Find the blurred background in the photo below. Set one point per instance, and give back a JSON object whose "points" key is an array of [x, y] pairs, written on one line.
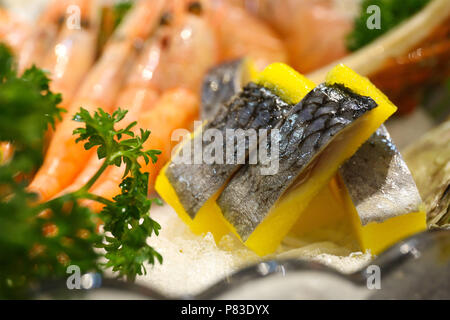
{"points": [[404, 48]]}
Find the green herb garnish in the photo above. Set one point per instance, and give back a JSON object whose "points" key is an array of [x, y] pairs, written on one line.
{"points": [[39, 242], [127, 216], [392, 13]]}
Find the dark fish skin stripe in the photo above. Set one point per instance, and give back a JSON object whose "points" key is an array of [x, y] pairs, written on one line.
{"points": [[219, 86], [255, 107], [307, 130]]}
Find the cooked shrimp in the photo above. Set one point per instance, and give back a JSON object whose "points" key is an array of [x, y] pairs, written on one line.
{"points": [[176, 109], [162, 65], [184, 54], [138, 94], [241, 34], [313, 31], [65, 158], [44, 35], [13, 31], [191, 52], [74, 52]]}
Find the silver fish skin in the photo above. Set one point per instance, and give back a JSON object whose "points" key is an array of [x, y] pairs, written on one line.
{"points": [[377, 177], [255, 107], [379, 181], [310, 127], [220, 84]]}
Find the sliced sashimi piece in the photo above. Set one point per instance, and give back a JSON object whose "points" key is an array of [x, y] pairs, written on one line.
{"points": [[380, 194], [324, 130], [382, 187], [374, 196], [191, 188]]}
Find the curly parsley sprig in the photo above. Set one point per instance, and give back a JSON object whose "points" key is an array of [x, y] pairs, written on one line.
{"points": [[38, 242], [126, 217]]}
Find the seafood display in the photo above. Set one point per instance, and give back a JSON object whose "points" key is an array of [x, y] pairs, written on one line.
{"points": [[194, 188], [322, 116], [65, 159], [263, 126], [271, 197], [376, 178]]}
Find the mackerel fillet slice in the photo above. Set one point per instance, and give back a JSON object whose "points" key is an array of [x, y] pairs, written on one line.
{"points": [[191, 187], [382, 198], [319, 135], [320, 117]]}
